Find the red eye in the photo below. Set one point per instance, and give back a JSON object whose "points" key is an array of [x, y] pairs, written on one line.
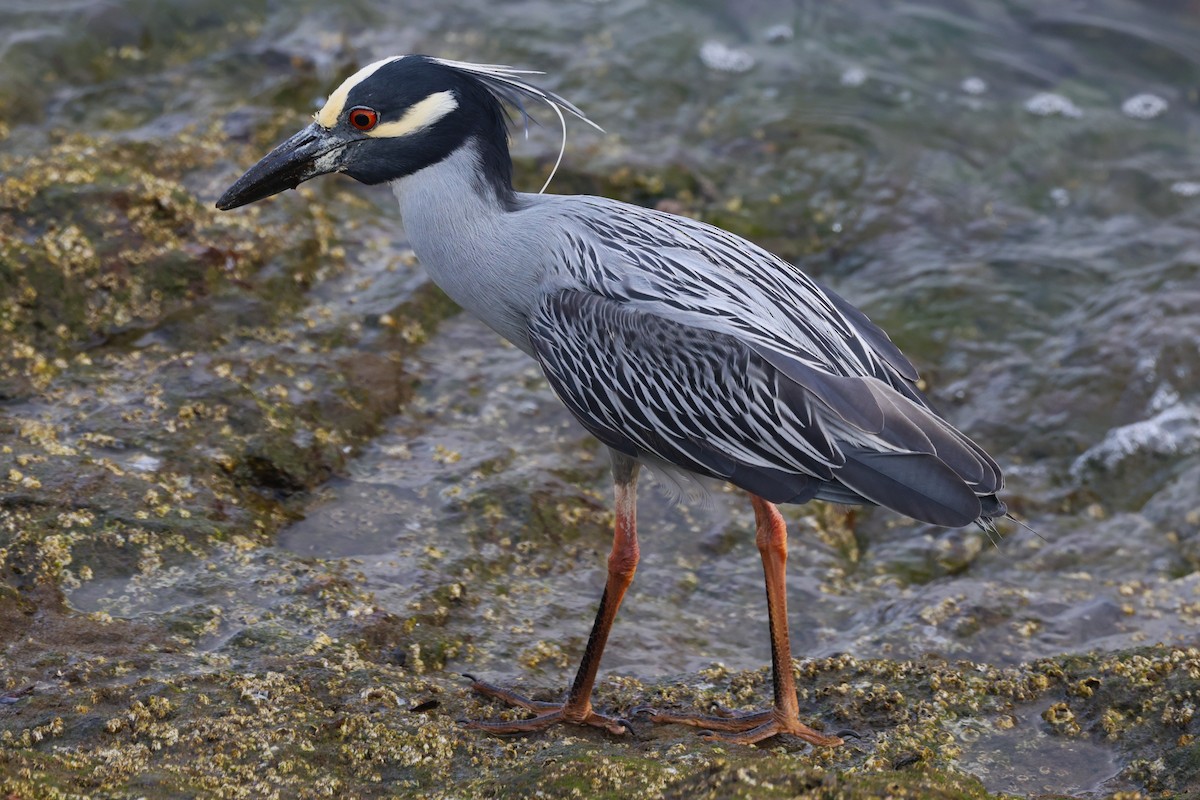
{"points": [[364, 118]]}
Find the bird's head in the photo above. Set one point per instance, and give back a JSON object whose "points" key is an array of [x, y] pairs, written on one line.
{"points": [[395, 117]]}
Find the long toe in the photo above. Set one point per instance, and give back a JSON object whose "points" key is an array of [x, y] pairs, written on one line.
{"points": [[540, 722], [744, 728], [774, 727], [617, 727], [723, 721], [545, 714], [508, 697]]}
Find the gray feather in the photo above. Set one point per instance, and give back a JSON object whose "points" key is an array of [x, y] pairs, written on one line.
{"points": [[880, 342], [657, 389], [916, 484]]}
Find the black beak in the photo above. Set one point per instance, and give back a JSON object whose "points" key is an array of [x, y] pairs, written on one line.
{"points": [[311, 152]]}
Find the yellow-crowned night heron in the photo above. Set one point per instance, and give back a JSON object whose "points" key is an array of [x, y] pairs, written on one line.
{"points": [[675, 343]]}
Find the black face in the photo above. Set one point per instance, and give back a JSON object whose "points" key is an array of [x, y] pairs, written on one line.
{"points": [[388, 121]]}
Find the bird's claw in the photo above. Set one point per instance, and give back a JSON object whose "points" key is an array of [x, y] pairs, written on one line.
{"points": [[544, 714]]}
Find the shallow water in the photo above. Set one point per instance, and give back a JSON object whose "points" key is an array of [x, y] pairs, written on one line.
{"points": [[1011, 190]]}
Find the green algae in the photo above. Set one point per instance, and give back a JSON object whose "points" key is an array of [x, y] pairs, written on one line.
{"points": [[317, 719], [147, 423]]}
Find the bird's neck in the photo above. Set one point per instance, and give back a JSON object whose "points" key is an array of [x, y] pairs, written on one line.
{"points": [[464, 186], [495, 165], [470, 241]]}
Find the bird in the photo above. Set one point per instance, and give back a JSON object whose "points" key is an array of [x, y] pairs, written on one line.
{"points": [[681, 346]]}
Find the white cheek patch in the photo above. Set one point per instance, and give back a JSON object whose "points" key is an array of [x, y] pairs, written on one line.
{"points": [[419, 116], [327, 117]]}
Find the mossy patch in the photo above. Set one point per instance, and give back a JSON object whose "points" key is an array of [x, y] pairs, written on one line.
{"points": [[315, 718]]}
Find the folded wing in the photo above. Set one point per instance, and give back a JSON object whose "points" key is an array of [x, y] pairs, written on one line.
{"points": [[711, 402]]}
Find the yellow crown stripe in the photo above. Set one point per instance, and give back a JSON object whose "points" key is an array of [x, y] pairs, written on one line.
{"points": [[329, 114]]}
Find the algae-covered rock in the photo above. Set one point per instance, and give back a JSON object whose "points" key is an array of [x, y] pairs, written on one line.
{"points": [[313, 717], [163, 389], [218, 579]]}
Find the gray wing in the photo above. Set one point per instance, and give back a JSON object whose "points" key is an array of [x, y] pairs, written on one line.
{"points": [[656, 388], [708, 278]]}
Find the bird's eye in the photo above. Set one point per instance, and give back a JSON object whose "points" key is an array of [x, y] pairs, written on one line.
{"points": [[364, 118]]}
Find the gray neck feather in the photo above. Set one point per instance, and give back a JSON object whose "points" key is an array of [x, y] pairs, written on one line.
{"points": [[487, 256]]}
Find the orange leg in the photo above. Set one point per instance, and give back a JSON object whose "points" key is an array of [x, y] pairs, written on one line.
{"points": [[785, 716], [622, 563]]}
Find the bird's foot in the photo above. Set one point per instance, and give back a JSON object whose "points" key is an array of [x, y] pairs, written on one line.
{"points": [[745, 728], [545, 714]]}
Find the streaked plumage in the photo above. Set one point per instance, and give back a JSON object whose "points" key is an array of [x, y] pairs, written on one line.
{"points": [[675, 343]]}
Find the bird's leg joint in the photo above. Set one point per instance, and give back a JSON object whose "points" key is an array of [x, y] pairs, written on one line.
{"points": [[771, 530], [623, 561]]}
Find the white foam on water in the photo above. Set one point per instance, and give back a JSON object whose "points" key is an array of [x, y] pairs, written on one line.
{"points": [[854, 76], [723, 58], [1144, 106], [974, 85], [1048, 104], [1173, 430]]}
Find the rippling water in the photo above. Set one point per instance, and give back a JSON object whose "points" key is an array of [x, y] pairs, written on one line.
{"points": [[1010, 189]]}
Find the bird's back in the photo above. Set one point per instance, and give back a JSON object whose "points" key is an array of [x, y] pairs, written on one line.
{"points": [[683, 344]]}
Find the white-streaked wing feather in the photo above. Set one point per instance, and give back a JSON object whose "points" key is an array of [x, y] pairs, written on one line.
{"points": [[769, 381], [663, 391], [703, 276]]}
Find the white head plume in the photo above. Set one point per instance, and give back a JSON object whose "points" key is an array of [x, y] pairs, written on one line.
{"points": [[507, 85]]}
